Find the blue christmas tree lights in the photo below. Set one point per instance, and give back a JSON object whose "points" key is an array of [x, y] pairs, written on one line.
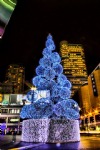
{"points": [[50, 77]]}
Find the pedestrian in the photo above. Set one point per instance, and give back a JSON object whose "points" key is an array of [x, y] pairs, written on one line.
{"points": [[13, 136]]}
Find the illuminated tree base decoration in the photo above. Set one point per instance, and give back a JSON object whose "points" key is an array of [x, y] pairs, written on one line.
{"points": [[50, 130]]}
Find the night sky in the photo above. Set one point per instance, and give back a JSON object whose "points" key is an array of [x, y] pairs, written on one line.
{"points": [[77, 21]]}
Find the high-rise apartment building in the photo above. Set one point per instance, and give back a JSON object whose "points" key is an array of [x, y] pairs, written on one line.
{"points": [[73, 61], [16, 76]]}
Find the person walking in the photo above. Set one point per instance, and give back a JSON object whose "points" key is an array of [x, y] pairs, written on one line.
{"points": [[13, 136]]}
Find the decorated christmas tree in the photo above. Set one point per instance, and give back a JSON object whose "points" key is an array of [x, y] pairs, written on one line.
{"points": [[50, 77]]}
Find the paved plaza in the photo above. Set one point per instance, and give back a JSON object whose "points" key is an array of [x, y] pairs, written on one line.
{"points": [[86, 143]]}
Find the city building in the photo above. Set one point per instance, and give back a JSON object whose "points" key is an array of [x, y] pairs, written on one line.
{"points": [[10, 108], [84, 97], [94, 87], [15, 75], [11, 105], [73, 62], [89, 101], [6, 88]]}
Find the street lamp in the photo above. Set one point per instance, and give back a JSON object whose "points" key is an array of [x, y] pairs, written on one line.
{"points": [[90, 114], [33, 88], [95, 111]]}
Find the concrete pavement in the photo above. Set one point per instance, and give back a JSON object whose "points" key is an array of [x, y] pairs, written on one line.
{"points": [[86, 143], [7, 143]]}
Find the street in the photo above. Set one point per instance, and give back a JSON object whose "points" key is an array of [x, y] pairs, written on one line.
{"points": [[87, 142]]}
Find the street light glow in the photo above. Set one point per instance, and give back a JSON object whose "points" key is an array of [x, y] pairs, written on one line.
{"points": [[96, 111], [33, 88], [90, 114]]}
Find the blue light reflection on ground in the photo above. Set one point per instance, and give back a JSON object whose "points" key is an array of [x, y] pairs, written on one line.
{"points": [[88, 142]]}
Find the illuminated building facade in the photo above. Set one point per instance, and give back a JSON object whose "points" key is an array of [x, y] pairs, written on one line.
{"points": [[10, 108], [6, 88], [73, 61], [84, 97], [94, 87], [16, 76], [90, 101], [10, 116]]}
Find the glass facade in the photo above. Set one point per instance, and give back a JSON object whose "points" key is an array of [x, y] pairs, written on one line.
{"points": [[73, 61], [13, 99]]}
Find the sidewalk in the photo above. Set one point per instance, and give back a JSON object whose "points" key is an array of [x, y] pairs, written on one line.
{"points": [[6, 143], [19, 146], [90, 143], [96, 133]]}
